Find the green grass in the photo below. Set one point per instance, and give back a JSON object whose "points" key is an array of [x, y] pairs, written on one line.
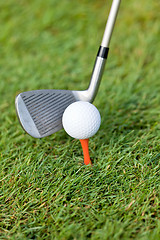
{"points": [[45, 190]]}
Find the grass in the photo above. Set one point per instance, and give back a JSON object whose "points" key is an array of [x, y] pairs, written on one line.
{"points": [[45, 190]]}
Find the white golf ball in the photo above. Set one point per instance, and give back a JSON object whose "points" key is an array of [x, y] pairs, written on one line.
{"points": [[81, 120]]}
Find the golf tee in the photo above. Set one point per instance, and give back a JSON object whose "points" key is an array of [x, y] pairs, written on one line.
{"points": [[84, 143]]}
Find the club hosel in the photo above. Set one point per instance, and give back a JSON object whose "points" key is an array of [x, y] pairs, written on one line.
{"points": [[97, 72]]}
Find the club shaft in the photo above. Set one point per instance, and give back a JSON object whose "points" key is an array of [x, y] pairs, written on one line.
{"points": [[110, 23], [103, 52]]}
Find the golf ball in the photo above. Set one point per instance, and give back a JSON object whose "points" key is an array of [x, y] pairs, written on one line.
{"points": [[81, 120]]}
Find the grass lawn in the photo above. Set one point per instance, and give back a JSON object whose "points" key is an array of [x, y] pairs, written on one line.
{"points": [[45, 190]]}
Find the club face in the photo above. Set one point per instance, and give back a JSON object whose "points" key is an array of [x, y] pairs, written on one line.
{"points": [[40, 111]]}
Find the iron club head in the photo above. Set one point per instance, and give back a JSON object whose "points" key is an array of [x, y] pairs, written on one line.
{"points": [[40, 111]]}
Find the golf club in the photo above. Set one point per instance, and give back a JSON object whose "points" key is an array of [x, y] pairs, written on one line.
{"points": [[40, 111]]}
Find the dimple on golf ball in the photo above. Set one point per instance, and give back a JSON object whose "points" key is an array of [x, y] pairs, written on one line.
{"points": [[81, 120]]}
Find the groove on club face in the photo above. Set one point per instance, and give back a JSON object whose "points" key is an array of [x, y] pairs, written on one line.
{"points": [[40, 111]]}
